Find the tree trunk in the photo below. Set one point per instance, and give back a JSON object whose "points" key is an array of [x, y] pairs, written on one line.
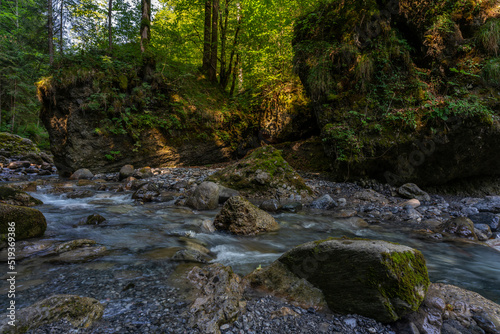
{"points": [[51, 32], [233, 84], [223, 79], [61, 28], [13, 106], [148, 62], [213, 53], [207, 36], [110, 7]]}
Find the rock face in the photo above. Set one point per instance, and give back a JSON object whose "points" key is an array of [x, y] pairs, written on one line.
{"points": [[80, 311], [239, 216], [79, 140], [408, 131], [263, 172], [377, 279], [450, 309], [16, 197], [29, 222], [219, 298], [205, 197]]}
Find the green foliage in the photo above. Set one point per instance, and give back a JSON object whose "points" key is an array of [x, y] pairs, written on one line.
{"points": [[489, 36], [346, 144], [491, 72]]}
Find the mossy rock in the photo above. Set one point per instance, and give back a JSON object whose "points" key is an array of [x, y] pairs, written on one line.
{"points": [[373, 278], [79, 311], [261, 172], [29, 222], [17, 197], [16, 145]]}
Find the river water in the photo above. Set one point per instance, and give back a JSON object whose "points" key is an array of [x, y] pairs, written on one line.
{"points": [[135, 232]]}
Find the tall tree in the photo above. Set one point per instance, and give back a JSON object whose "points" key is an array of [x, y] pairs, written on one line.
{"points": [[207, 36], [212, 72], [110, 36], [148, 61], [51, 32]]}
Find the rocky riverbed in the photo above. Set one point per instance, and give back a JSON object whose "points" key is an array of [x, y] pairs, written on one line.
{"points": [[149, 293]]}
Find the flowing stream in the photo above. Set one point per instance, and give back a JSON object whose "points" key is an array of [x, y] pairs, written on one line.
{"points": [[134, 233]]}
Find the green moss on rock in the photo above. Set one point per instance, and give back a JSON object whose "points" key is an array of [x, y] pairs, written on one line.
{"points": [[29, 222], [17, 197], [16, 145], [261, 172]]}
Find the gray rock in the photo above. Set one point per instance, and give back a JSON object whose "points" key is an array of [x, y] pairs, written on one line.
{"points": [[29, 222], [204, 197], [82, 173], [292, 207], [19, 164], [484, 230], [411, 190], [489, 204], [325, 202], [146, 193], [487, 218], [17, 197], [79, 311], [143, 173], [126, 171], [460, 227], [377, 279], [95, 219], [225, 193], [239, 216], [80, 193], [445, 306], [219, 298], [369, 195], [270, 205]]}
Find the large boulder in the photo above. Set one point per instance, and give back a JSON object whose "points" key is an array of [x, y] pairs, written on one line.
{"points": [[219, 299], [82, 173], [420, 126], [204, 197], [239, 216], [14, 145], [79, 311], [263, 172], [376, 279], [17, 197], [29, 222], [450, 309]]}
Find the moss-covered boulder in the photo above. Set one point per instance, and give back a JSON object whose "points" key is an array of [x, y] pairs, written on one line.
{"points": [[29, 222], [376, 279], [14, 145], [239, 216], [263, 172], [17, 197], [79, 311], [404, 91]]}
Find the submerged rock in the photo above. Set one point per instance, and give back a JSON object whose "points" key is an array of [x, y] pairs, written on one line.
{"points": [[376, 279], [205, 197], [239, 216], [79, 311], [29, 222], [261, 173], [17, 197], [95, 219], [219, 299]]}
